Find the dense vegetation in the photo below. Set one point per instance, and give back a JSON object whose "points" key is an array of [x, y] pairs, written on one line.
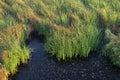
{"points": [[112, 49], [72, 28]]}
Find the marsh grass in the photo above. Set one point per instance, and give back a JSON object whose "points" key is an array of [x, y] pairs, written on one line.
{"points": [[72, 28], [109, 12], [13, 50], [74, 43], [112, 49]]}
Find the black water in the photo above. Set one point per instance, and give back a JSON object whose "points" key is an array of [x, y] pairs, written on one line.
{"points": [[43, 67]]}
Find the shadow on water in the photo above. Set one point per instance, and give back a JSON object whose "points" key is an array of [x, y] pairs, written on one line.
{"points": [[44, 67]]}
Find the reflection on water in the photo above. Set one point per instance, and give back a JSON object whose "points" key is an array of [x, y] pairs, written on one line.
{"points": [[42, 67]]}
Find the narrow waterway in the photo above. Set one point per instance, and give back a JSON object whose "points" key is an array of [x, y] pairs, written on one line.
{"points": [[43, 67]]}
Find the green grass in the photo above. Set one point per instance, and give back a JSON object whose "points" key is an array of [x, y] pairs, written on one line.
{"points": [[13, 50], [112, 49], [78, 42], [72, 28]]}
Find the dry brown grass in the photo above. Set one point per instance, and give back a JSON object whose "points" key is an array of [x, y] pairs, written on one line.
{"points": [[2, 75], [11, 33], [20, 1], [4, 55], [61, 28]]}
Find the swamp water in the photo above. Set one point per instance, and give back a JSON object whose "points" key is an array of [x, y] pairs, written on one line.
{"points": [[43, 67]]}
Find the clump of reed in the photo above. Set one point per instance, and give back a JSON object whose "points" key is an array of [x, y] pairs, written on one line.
{"points": [[12, 48], [77, 42], [71, 30], [109, 14], [112, 48], [108, 11]]}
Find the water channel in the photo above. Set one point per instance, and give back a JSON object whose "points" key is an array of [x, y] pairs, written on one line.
{"points": [[44, 67]]}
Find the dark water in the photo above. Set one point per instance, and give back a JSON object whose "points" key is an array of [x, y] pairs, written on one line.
{"points": [[42, 67]]}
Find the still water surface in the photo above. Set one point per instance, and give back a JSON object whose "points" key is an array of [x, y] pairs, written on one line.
{"points": [[43, 67]]}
